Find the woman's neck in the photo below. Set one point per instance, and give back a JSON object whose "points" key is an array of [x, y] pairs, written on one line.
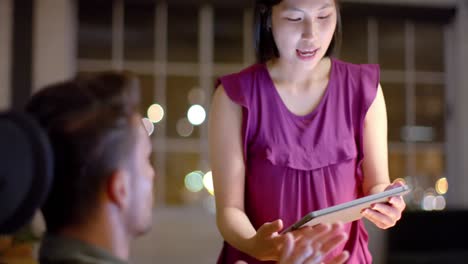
{"points": [[295, 77]]}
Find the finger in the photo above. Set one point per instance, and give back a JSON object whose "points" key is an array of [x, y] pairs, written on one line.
{"points": [[307, 229], [398, 202], [316, 258], [380, 220], [395, 184], [333, 242], [340, 259], [279, 242], [393, 213], [287, 247], [271, 228], [300, 252], [333, 231], [311, 232], [398, 183]]}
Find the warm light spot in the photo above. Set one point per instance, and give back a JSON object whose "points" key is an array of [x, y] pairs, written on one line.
{"points": [[441, 186], [155, 113], [208, 182]]}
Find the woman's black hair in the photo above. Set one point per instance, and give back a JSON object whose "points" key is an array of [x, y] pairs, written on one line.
{"points": [[265, 46]]}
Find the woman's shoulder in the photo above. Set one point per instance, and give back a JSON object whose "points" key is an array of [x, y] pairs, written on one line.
{"points": [[349, 66], [240, 86], [357, 74]]}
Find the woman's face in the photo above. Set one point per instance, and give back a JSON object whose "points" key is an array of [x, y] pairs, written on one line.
{"points": [[303, 29]]}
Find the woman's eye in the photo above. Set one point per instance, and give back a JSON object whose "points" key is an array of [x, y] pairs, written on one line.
{"points": [[293, 19], [323, 17]]}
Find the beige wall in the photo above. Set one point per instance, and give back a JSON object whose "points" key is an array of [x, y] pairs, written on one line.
{"points": [[179, 235], [6, 24], [457, 119], [55, 41]]}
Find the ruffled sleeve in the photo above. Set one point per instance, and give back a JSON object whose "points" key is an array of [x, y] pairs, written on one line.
{"points": [[237, 90]]}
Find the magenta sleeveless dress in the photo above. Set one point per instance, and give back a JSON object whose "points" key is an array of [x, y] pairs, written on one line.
{"points": [[298, 164]]}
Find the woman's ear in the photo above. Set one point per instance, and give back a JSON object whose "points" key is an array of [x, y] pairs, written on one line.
{"points": [[118, 188]]}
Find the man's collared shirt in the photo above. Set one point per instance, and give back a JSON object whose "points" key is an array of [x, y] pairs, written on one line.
{"points": [[65, 250]]}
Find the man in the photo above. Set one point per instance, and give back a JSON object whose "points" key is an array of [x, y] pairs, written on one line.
{"points": [[102, 193]]}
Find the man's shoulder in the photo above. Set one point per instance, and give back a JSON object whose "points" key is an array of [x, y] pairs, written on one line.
{"points": [[76, 261]]}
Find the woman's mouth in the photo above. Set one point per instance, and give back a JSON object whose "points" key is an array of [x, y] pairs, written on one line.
{"points": [[306, 54]]}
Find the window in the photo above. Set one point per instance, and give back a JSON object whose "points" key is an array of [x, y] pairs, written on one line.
{"points": [[178, 52], [410, 52]]}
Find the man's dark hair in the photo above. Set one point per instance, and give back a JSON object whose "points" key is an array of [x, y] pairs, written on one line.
{"points": [[92, 124], [265, 45]]}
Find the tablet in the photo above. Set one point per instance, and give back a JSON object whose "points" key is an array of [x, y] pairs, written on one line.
{"points": [[347, 212]]}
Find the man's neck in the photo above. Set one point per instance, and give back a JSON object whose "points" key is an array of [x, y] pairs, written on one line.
{"points": [[106, 233]]}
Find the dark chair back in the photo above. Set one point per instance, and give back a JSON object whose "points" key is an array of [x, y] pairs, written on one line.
{"points": [[26, 169]]}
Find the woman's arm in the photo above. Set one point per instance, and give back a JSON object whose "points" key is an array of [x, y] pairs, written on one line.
{"points": [[227, 161], [375, 166], [375, 163]]}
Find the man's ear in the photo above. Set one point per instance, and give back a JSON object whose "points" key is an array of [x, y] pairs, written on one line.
{"points": [[118, 188]]}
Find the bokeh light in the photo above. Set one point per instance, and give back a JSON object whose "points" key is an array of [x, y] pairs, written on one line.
{"points": [[155, 113], [441, 186], [439, 203], [428, 202], [196, 115], [194, 181], [184, 128], [208, 182], [149, 126]]}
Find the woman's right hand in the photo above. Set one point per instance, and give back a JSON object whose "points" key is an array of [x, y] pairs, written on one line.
{"points": [[266, 244], [305, 245], [313, 246]]}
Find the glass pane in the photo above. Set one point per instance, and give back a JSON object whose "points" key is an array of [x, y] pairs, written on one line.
{"points": [[430, 164], [95, 30], [429, 168], [429, 41], [394, 95], [179, 90], [139, 32], [177, 166], [183, 34], [354, 43], [84, 74], [228, 30], [146, 92], [429, 103], [397, 164], [391, 44]]}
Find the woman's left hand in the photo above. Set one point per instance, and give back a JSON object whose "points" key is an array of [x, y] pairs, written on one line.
{"points": [[385, 215]]}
